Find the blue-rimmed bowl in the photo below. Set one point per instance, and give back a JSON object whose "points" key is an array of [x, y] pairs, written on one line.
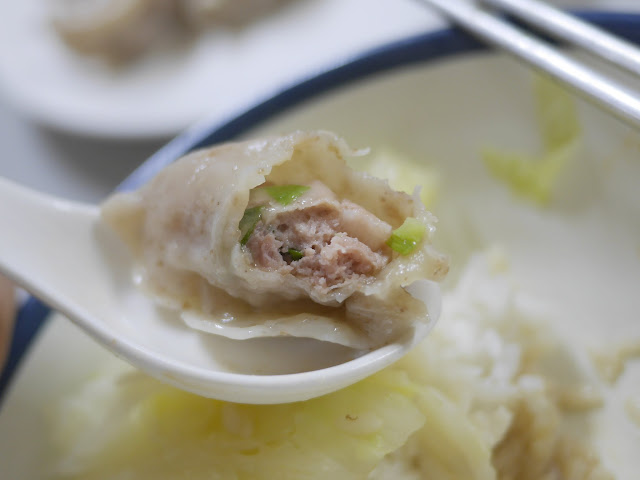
{"points": [[442, 97]]}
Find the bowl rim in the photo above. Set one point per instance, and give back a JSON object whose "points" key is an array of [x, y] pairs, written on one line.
{"points": [[416, 49]]}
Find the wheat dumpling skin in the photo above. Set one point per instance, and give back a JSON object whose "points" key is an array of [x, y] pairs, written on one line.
{"points": [[314, 264]]}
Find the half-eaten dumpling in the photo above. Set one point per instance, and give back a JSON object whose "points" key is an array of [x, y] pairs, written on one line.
{"points": [[278, 236]]}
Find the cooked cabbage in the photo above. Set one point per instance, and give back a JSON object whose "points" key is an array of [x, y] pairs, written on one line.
{"points": [[473, 401], [154, 431], [534, 176]]}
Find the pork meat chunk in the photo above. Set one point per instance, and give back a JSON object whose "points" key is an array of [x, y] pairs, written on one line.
{"points": [[319, 238]]}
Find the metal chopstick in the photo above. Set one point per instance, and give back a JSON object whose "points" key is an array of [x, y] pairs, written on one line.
{"points": [[568, 27], [607, 93]]}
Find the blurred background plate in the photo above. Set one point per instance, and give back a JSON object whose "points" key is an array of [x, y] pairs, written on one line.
{"points": [[219, 72]]}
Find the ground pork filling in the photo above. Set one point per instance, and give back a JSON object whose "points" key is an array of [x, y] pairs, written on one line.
{"points": [[314, 242]]}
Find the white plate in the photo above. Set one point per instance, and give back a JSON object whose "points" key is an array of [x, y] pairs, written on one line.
{"points": [[581, 256], [163, 93], [221, 73]]}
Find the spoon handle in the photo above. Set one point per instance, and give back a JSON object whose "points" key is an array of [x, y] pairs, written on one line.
{"points": [[42, 237]]}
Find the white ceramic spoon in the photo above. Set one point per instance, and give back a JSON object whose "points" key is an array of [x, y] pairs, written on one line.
{"points": [[59, 251]]}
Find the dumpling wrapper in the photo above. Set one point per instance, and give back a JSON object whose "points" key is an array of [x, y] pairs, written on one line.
{"points": [[183, 228]]}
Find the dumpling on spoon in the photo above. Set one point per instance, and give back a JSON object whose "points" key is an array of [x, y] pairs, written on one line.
{"points": [[278, 236]]}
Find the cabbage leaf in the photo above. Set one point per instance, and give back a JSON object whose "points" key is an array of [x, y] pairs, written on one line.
{"points": [[156, 432], [534, 176]]}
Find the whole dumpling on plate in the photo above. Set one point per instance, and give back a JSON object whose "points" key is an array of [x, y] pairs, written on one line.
{"points": [[278, 236], [117, 30], [204, 13]]}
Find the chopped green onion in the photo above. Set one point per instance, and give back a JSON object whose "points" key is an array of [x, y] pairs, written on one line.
{"points": [[285, 194], [248, 222], [295, 254], [407, 236]]}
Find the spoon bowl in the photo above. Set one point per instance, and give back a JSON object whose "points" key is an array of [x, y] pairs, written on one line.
{"points": [[62, 253]]}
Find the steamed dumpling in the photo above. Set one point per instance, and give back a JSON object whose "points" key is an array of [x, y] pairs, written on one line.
{"points": [[115, 29], [203, 13], [278, 236], [120, 30]]}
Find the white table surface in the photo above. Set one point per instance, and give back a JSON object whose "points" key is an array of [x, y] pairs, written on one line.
{"points": [[88, 169]]}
